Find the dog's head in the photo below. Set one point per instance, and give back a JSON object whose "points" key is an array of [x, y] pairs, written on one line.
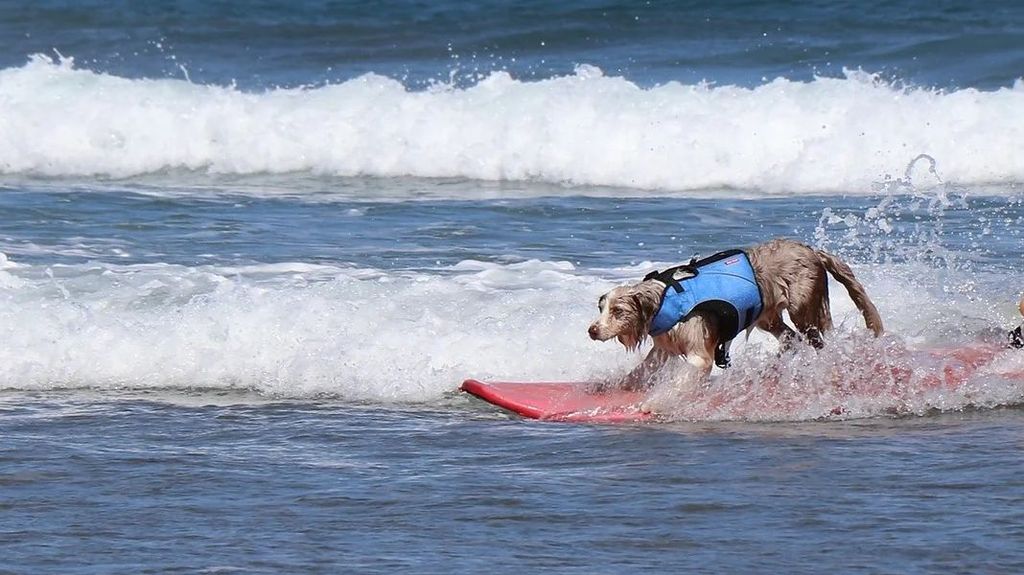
{"points": [[626, 313]]}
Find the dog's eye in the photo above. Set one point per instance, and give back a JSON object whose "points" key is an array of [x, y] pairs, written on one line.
{"points": [[617, 312]]}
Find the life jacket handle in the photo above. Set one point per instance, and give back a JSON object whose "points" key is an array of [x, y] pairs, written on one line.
{"points": [[667, 277]]}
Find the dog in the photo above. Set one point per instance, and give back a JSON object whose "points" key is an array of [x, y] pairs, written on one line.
{"points": [[759, 284]]}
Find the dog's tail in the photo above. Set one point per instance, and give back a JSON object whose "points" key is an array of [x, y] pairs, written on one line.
{"points": [[844, 275]]}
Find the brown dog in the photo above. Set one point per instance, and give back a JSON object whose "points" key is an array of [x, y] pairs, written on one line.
{"points": [[789, 275]]}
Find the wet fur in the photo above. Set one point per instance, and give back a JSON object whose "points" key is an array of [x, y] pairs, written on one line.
{"points": [[792, 277]]}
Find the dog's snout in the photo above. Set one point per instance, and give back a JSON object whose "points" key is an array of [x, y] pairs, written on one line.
{"points": [[593, 331]]}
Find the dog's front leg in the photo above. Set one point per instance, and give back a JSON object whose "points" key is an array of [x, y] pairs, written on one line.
{"points": [[687, 383], [703, 364], [640, 376]]}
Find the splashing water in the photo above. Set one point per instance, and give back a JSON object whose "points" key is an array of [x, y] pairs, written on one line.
{"points": [[906, 224], [854, 376]]}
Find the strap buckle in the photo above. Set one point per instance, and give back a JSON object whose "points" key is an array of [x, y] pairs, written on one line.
{"points": [[668, 277]]}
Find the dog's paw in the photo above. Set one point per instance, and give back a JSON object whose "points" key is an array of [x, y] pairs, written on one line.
{"points": [[1016, 337]]}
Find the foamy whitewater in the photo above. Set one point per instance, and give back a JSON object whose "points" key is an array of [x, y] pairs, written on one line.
{"points": [[249, 252], [824, 135]]}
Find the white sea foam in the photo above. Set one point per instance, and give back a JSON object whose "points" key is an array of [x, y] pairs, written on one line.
{"points": [[295, 330], [829, 134]]}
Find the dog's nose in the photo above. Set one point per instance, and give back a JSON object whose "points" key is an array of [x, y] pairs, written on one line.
{"points": [[593, 331]]}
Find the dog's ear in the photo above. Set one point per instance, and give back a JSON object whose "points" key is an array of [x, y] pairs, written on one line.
{"points": [[643, 316], [640, 320], [632, 331], [644, 298]]}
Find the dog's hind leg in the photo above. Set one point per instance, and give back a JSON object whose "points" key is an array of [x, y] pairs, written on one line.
{"points": [[780, 330], [810, 324]]}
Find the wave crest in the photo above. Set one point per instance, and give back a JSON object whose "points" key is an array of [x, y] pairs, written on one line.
{"points": [[830, 134]]}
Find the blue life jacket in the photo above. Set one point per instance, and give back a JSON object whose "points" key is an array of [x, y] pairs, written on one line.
{"points": [[723, 284]]}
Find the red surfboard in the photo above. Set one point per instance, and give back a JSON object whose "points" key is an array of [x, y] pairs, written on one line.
{"points": [[577, 402], [561, 401]]}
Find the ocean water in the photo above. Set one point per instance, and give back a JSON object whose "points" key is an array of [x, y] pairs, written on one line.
{"points": [[249, 251]]}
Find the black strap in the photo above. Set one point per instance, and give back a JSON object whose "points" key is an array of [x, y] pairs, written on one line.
{"points": [[693, 266], [714, 258], [668, 277]]}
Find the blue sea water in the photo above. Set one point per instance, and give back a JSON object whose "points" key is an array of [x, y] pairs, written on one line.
{"points": [[248, 251]]}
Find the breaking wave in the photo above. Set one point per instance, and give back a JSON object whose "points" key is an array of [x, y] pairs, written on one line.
{"points": [[830, 134]]}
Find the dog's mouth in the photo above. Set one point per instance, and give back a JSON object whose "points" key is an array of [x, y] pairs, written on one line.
{"points": [[598, 334]]}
